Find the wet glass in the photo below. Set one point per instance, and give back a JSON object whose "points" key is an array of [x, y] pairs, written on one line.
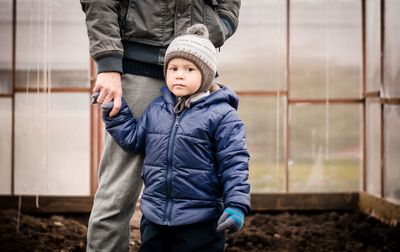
{"points": [[254, 58], [5, 145], [52, 144], [392, 157], [373, 45], [373, 144], [391, 82], [325, 148], [325, 49], [52, 45], [5, 46], [264, 122]]}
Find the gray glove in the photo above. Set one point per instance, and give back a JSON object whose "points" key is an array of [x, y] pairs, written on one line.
{"points": [[232, 220]]}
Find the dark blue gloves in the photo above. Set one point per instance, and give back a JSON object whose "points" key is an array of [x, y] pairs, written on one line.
{"points": [[232, 220], [107, 107], [123, 127]]}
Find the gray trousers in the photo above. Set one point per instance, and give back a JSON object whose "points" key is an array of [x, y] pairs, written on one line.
{"points": [[119, 176]]}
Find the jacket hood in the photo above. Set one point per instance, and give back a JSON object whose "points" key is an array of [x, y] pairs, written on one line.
{"points": [[224, 94]]}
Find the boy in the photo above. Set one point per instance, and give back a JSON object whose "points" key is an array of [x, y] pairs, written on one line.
{"points": [[128, 39], [196, 160]]}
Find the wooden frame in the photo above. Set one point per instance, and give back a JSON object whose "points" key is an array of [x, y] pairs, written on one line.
{"points": [[47, 204], [260, 202], [304, 201], [368, 204], [13, 79], [364, 87], [379, 208]]}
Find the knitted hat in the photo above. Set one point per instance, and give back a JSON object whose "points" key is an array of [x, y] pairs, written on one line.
{"points": [[195, 47]]}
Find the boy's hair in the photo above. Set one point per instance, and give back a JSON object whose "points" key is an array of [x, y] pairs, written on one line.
{"points": [[195, 47]]}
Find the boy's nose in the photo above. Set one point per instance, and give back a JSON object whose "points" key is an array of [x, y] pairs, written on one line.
{"points": [[179, 74]]}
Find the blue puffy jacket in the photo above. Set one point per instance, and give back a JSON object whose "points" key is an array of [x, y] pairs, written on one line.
{"points": [[196, 162]]}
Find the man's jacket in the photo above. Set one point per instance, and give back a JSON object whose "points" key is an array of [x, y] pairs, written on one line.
{"points": [[141, 30], [196, 162]]}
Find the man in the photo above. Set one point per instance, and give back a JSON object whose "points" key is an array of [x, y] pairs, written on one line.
{"points": [[128, 39]]}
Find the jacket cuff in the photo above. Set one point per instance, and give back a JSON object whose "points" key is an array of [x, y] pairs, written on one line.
{"points": [[244, 209], [229, 23], [228, 26], [109, 63]]}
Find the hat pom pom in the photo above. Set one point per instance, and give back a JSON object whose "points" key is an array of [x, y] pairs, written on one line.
{"points": [[199, 30]]}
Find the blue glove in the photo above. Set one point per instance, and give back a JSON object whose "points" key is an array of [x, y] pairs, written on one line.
{"points": [[232, 220], [94, 97], [107, 107]]}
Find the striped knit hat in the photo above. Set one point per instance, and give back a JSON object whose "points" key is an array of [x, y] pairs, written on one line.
{"points": [[195, 46]]}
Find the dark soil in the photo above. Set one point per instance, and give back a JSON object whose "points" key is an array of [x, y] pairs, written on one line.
{"points": [[326, 231], [294, 231], [54, 233]]}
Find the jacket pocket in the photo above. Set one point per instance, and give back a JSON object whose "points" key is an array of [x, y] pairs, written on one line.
{"points": [[215, 182], [143, 22]]}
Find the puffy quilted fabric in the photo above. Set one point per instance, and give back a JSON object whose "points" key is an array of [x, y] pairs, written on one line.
{"points": [[196, 162]]}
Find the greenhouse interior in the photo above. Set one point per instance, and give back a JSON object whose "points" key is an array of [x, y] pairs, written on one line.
{"points": [[319, 89]]}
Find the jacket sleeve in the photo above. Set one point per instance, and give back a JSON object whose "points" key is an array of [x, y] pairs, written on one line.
{"points": [[228, 11], [128, 132], [232, 160], [104, 33]]}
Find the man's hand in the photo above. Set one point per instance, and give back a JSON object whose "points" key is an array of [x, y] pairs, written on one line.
{"points": [[110, 88]]}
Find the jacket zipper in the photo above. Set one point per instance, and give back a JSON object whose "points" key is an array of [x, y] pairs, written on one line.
{"points": [[168, 180], [124, 21]]}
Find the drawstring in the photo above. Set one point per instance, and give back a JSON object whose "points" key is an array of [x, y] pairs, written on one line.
{"points": [[182, 103]]}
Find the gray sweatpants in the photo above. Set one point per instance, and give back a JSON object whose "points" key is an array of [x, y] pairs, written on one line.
{"points": [[119, 177]]}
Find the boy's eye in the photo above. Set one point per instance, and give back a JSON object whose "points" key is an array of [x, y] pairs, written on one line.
{"points": [[173, 68], [189, 69]]}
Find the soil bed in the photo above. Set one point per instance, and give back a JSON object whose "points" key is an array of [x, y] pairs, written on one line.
{"points": [[53, 233], [324, 231], [293, 231]]}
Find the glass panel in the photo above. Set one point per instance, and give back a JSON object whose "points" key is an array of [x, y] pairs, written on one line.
{"points": [[263, 118], [5, 46], [52, 44], [373, 155], [254, 58], [392, 149], [325, 49], [5, 145], [52, 144], [392, 50], [325, 148], [373, 45]]}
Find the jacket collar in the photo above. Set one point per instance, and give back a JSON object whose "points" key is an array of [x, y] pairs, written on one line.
{"points": [[197, 97], [224, 94]]}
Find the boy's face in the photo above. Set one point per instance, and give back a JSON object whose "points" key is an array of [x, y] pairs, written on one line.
{"points": [[183, 77]]}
